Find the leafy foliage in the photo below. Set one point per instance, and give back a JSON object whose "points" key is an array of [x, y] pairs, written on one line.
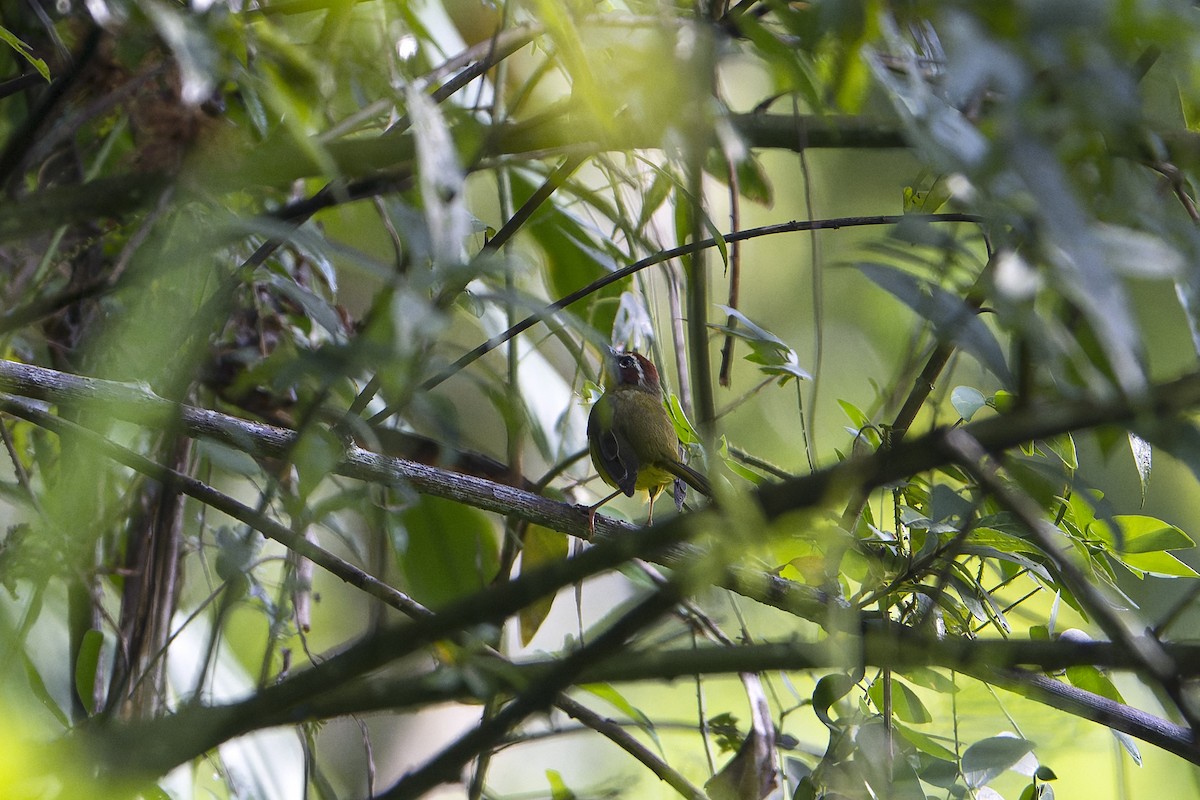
{"points": [[248, 251]]}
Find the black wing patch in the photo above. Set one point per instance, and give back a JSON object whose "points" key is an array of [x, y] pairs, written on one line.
{"points": [[618, 459]]}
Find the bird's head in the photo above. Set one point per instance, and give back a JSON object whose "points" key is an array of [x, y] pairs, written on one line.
{"points": [[632, 370]]}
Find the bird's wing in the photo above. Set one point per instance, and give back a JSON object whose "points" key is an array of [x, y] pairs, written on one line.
{"points": [[614, 456]]}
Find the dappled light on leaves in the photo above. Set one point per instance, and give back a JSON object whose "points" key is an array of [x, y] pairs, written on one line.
{"points": [[306, 427]]}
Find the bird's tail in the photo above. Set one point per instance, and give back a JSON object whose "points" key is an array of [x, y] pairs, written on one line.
{"points": [[691, 477]]}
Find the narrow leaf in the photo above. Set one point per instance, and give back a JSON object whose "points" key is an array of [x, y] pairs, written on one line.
{"points": [[24, 51], [1142, 457], [610, 695], [985, 760], [906, 706], [541, 546], [86, 665], [951, 318]]}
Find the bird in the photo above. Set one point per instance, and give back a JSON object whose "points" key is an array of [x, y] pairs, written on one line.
{"points": [[631, 438]]}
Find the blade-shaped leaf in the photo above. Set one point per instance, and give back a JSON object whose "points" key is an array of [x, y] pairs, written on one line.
{"points": [[12, 41], [1137, 533], [906, 706], [952, 319], [540, 546], [1142, 459], [985, 760]]}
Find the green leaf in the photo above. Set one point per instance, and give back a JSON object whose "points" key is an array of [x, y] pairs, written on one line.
{"points": [[906, 706], [684, 208], [1136, 533], [574, 258], [894, 778], [684, 430], [790, 73], [24, 51], [317, 452], [652, 200], [610, 695], [951, 318], [930, 679], [1091, 679], [1007, 542], [540, 546], [558, 787], [967, 401], [1044, 773], [1161, 564], [773, 355], [86, 665], [828, 691], [449, 550], [927, 744], [38, 687], [753, 182], [855, 415], [1064, 447], [988, 758], [315, 307]]}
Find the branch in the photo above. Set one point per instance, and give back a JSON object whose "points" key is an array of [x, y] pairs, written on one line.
{"points": [[195, 489], [282, 161], [991, 661], [627, 742], [666, 255], [1162, 402], [137, 405], [537, 695]]}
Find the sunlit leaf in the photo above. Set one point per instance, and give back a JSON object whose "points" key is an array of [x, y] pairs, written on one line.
{"points": [[12, 41], [558, 787], [929, 744], [967, 401], [906, 705], [1162, 564], [930, 679], [1138, 534], [1064, 447], [1091, 679], [987, 759], [855, 415], [1142, 460]]}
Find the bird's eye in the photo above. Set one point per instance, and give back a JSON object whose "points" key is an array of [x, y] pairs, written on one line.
{"points": [[625, 362]]}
